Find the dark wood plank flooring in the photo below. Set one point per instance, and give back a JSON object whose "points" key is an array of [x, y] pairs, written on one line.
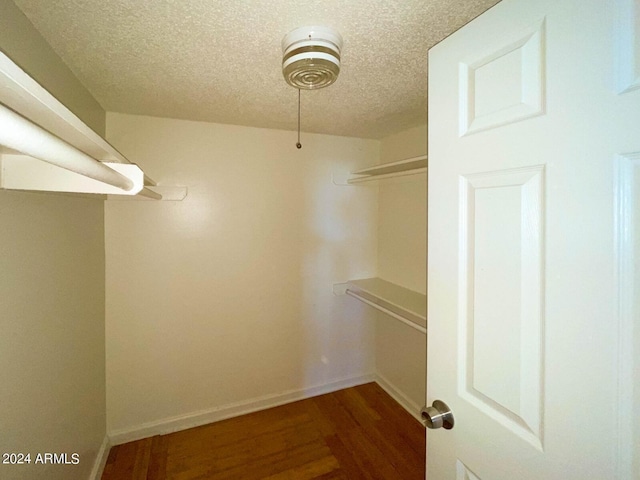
{"points": [[356, 433]]}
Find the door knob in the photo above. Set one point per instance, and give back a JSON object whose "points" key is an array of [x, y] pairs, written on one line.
{"points": [[438, 415]]}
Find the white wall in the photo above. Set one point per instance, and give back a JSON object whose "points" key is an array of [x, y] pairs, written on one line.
{"points": [[218, 302], [402, 259], [402, 221], [51, 332], [52, 353]]}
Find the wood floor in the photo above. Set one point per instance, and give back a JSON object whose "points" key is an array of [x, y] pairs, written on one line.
{"points": [[356, 433]]}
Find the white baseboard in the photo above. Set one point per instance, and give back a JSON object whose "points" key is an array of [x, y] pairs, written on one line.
{"points": [[196, 419], [409, 405], [101, 460]]}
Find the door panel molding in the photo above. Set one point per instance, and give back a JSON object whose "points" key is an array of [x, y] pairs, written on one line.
{"points": [[501, 306], [627, 237], [464, 473], [627, 45], [518, 66]]}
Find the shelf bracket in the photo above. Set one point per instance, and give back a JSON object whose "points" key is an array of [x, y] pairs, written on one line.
{"points": [[340, 288], [152, 192]]}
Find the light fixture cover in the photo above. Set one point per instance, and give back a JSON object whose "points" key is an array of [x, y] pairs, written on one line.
{"points": [[311, 57]]}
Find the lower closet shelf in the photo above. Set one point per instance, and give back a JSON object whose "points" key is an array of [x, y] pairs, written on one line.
{"points": [[401, 303]]}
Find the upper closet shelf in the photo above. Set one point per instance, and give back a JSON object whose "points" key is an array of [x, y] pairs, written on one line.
{"points": [[401, 303], [45, 147], [410, 166]]}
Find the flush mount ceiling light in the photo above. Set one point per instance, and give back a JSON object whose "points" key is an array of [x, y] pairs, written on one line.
{"points": [[310, 59]]}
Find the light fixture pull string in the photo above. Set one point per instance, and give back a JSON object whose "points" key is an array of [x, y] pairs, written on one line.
{"points": [[298, 145]]}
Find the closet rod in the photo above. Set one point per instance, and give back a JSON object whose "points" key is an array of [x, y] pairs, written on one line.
{"points": [[353, 294], [18, 133]]}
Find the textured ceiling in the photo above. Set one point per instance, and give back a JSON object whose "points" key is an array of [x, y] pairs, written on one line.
{"points": [[220, 61]]}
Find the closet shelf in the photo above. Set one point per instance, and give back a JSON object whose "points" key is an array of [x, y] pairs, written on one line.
{"points": [[45, 147], [401, 303], [410, 166]]}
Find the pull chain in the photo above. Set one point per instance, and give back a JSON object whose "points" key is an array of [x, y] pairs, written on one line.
{"points": [[299, 145]]}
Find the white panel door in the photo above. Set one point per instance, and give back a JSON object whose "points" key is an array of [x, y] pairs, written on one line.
{"points": [[534, 243]]}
